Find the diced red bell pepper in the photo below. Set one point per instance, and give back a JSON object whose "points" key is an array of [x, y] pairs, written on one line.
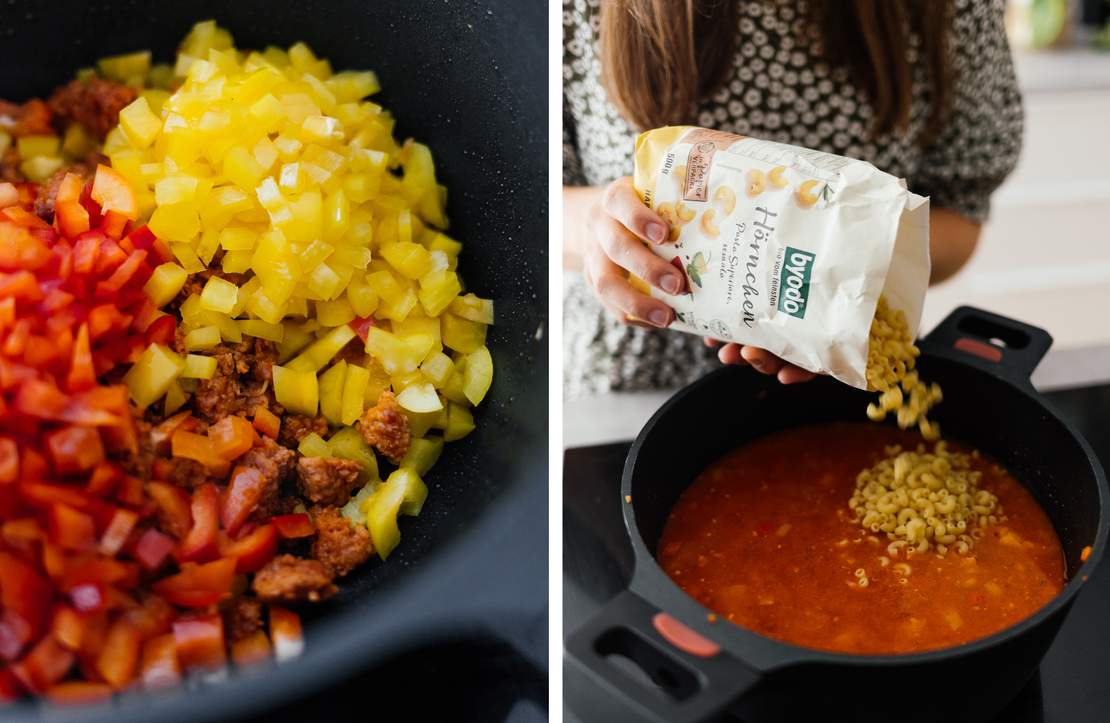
{"points": [[152, 549], [362, 326], [103, 479], [21, 250], [124, 273], [113, 193], [114, 224], [160, 667], [41, 494], [198, 448], [69, 189], [46, 664], [119, 529], [106, 319], [251, 551], [9, 687], [101, 570], [162, 433], [232, 436], [200, 641], [161, 331], [119, 658], [71, 218], [68, 627], [56, 300], [174, 507], [285, 633], [15, 633], [22, 533], [130, 491], [254, 648], [266, 422], [78, 692], [86, 252], [89, 597], [82, 372], [9, 460], [293, 525], [70, 528], [241, 498], [54, 560], [75, 449], [20, 285], [198, 585], [201, 544], [24, 592], [153, 617]]}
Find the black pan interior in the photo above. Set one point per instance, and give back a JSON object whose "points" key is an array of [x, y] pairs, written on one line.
{"points": [[736, 405], [467, 78]]}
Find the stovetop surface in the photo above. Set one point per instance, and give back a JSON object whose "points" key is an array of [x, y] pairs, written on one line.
{"points": [[1073, 683]]}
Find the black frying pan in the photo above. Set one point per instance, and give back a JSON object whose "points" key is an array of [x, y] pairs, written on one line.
{"points": [[701, 669], [469, 79]]}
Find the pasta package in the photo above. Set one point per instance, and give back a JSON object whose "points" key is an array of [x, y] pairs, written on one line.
{"points": [[783, 247]]}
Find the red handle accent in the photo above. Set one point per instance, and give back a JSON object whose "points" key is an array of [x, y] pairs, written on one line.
{"points": [[683, 637], [979, 348]]}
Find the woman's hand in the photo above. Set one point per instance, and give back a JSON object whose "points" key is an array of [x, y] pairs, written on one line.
{"points": [[617, 224], [604, 230], [761, 360]]}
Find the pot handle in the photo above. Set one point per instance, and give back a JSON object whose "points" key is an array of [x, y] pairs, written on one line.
{"points": [[996, 344], [692, 678]]}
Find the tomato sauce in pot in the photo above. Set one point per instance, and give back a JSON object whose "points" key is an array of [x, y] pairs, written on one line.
{"points": [[764, 538]]}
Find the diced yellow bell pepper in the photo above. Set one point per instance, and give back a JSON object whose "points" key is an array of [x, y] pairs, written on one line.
{"points": [[175, 189], [313, 445], [420, 398], [297, 391], [240, 168], [455, 389], [410, 259], [462, 335], [175, 398], [331, 392], [33, 146], [400, 308], [321, 351], [262, 329], [477, 375], [236, 262], [402, 493], [363, 299], [354, 392], [219, 295], [176, 222], [438, 368], [150, 377], [398, 355], [139, 123], [165, 283], [76, 142], [123, 67], [460, 422], [266, 112], [40, 168], [422, 454], [201, 338], [437, 290], [347, 443], [420, 325], [198, 366], [469, 306]]}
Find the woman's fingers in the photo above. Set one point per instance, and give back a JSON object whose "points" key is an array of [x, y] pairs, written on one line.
{"points": [[623, 203], [626, 251], [613, 289], [762, 360], [711, 343], [730, 354], [791, 374]]}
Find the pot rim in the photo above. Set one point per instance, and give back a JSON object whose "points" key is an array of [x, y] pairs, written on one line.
{"points": [[770, 653]]}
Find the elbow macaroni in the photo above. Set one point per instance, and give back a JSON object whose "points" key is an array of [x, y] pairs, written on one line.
{"points": [[891, 357], [924, 500]]}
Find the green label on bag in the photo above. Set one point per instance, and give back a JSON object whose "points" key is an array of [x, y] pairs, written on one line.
{"points": [[794, 281]]}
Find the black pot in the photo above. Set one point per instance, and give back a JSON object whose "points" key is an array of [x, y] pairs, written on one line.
{"points": [[699, 670], [469, 79]]}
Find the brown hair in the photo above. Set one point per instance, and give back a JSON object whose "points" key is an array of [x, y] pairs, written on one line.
{"points": [[659, 58]]}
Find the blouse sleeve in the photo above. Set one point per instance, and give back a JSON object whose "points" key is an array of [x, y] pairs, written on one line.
{"points": [[981, 139]]}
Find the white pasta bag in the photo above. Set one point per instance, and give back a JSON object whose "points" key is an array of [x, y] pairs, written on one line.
{"points": [[782, 247]]}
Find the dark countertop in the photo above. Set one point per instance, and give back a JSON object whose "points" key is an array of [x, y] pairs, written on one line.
{"points": [[1073, 685]]}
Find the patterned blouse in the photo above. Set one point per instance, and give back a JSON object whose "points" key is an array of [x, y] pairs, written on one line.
{"points": [[780, 90]]}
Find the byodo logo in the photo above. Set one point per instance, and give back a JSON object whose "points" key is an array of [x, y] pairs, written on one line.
{"points": [[794, 281]]}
